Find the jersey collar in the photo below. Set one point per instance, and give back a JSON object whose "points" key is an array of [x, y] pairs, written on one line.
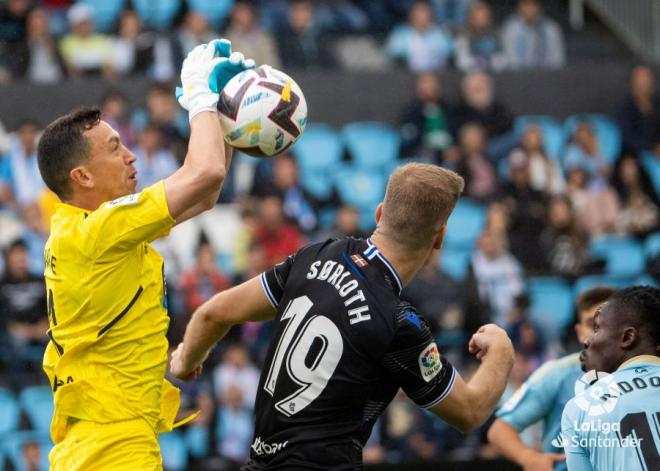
{"points": [[65, 208], [373, 254], [646, 359]]}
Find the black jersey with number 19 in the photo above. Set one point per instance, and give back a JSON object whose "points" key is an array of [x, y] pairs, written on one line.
{"points": [[343, 344]]}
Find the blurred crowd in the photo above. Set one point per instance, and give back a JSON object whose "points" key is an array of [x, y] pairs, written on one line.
{"points": [[45, 41], [548, 190]]}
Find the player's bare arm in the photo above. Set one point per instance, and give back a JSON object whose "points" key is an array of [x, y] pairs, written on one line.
{"points": [[469, 405], [213, 319], [507, 440]]}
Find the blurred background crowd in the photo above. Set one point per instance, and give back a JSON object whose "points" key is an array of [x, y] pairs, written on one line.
{"points": [[551, 207]]}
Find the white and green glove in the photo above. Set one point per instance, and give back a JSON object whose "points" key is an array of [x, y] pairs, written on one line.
{"points": [[205, 72]]}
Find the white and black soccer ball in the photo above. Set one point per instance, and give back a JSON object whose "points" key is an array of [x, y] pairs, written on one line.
{"points": [[262, 111]]}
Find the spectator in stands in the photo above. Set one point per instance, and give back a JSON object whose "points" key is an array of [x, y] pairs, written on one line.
{"points": [[301, 42], [527, 213], [544, 172], [196, 396], [23, 304], [421, 44], [114, 111], [84, 51], [234, 428], [478, 46], [279, 238], [248, 37], [498, 274], [163, 110], [195, 30], [532, 40], [584, 152], [425, 122], [13, 18], [236, 369], [639, 213], [21, 174], [564, 244], [299, 206], [473, 165], [639, 117], [478, 104], [43, 63], [200, 282], [132, 49], [31, 454], [596, 207], [34, 236], [453, 14], [347, 224], [154, 160]]}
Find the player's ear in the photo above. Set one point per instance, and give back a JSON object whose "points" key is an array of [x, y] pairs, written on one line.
{"points": [[81, 176], [440, 237], [379, 212], [629, 338]]}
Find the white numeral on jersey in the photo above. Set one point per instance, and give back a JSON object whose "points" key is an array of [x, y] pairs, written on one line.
{"points": [[311, 378]]}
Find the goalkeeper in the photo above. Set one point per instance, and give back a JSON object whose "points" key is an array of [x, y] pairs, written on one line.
{"points": [[107, 353]]}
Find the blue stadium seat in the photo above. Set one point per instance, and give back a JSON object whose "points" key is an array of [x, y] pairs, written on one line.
{"points": [[455, 262], [158, 14], [37, 402], [360, 188], [13, 447], [197, 441], [215, 11], [465, 224], [652, 245], [646, 279], [372, 145], [651, 164], [607, 132], [624, 256], [174, 452], [553, 134], [318, 184], [319, 149], [551, 304], [586, 282], [106, 12], [9, 411]]}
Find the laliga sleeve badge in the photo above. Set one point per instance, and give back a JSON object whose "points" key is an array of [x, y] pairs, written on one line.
{"points": [[429, 362]]}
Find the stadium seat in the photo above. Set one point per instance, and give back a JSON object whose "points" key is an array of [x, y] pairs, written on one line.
{"points": [[13, 447], [465, 224], [651, 164], [624, 256], [652, 245], [360, 188], [174, 452], [586, 282], [553, 135], [106, 12], [9, 411], [215, 11], [607, 132], [551, 304], [37, 402], [318, 149], [371, 145], [318, 184], [455, 262], [197, 441], [158, 14], [646, 279]]}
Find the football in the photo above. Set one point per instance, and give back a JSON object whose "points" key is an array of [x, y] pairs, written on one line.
{"points": [[262, 112]]}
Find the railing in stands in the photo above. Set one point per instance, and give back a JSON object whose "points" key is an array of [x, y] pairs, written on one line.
{"points": [[637, 23]]}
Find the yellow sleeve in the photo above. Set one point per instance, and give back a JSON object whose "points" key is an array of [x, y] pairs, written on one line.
{"points": [[120, 225]]}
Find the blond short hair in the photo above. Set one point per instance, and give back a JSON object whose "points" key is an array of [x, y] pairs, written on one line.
{"points": [[418, 201]]}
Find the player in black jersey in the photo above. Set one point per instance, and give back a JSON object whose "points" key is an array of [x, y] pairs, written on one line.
{"points": [[344, 341]]}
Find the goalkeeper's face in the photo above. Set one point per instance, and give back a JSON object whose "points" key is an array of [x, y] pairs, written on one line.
{"points": [[110, 164]]}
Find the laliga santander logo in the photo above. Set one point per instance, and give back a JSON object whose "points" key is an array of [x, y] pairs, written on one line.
{"points": [[596, 393]]}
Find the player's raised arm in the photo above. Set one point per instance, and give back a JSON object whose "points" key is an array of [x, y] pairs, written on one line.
{"points": [[469, 405], [196, 185]]}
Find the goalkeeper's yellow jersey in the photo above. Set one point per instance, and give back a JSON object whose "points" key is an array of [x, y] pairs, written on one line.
{"points": [[107, 355]]}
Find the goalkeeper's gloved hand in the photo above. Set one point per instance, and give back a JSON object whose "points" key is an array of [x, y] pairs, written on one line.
{"points": [[205, 72]]}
